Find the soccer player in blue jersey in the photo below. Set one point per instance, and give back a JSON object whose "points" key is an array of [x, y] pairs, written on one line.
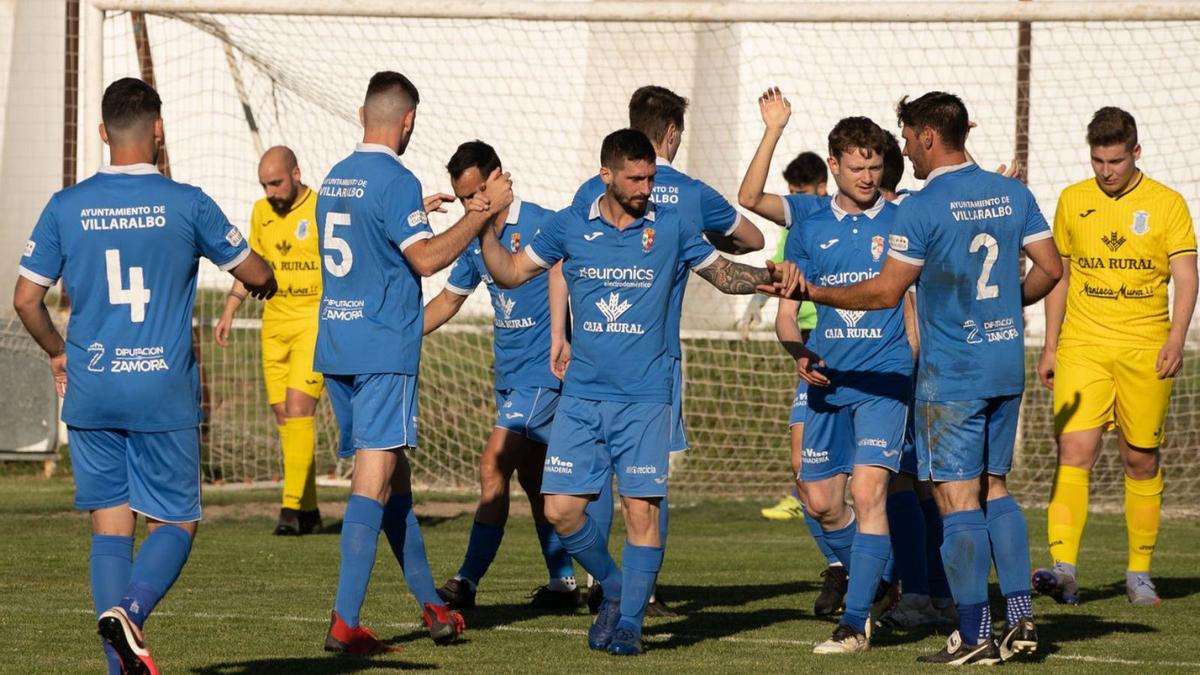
{"points": [[659, 114], [126, 243], [960, 240], [620, 254], [526, 389], [377, 244]]}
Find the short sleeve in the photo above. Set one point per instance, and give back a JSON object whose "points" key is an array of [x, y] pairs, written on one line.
{"points": [[1181, 237], [587, 193], [464, 276], [908, 240], [42, 261], [695, 252], [404, 217], [798, 207], [1062, 232], [716, 213], [217, 238], [1035, 227], [256, 231], [547, 247]]}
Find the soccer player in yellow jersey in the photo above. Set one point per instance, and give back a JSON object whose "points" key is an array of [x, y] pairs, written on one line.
{"points": [[283, 230], [1112, 349]]}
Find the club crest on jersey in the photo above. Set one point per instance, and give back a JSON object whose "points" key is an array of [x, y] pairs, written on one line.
{"points": [[514, 242], [647, 239], [876, 247], [1141, 223], [302, 230]]}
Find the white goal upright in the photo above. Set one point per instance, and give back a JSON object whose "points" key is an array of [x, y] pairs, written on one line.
{"points": [[543, 82]]}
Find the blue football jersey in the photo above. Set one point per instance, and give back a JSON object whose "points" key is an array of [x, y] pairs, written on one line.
{"points": [[798, 207], [521, 337], [127, 243], [369, 210], [965, 229], [621, 284], [866, 354], [700, 205]]}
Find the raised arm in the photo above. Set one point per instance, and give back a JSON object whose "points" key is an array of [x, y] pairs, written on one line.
{"points": [[429, 256], [745, 238], [775, 110], [508, 270], [1047, 270]]}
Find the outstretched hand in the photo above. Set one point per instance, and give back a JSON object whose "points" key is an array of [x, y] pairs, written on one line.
{"points": [[774, 108], [786, 281], [433, 203]]}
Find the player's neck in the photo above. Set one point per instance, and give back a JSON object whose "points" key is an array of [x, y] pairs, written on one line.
{"points": [[124, 155], [613, 212], [385, 137], [1125, 187], [939, 158], [661, 151], [853, 207]]}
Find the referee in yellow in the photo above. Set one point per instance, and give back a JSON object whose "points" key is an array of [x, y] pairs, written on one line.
{"points": [[283, 230], [1112, 349]]}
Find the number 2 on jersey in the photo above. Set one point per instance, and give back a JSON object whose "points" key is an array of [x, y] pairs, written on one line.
{"points": [[984, 290], [137, 296], [332, 241]]}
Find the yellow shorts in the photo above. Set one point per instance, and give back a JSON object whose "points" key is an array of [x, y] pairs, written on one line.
{"points": [[1097, 387], [287, 356]]}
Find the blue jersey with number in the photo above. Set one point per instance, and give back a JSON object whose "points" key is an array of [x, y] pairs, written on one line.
{"points": [[700, 205], [521, 337], [127, 243], [369, 210], [866, 354], [621, 284], [965, 229]]}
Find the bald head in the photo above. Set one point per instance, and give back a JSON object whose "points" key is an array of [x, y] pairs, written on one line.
{"points": [[279, 175]]}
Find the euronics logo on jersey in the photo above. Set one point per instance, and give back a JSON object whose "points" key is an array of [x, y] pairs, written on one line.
{"points": [[852, 331], [619, 277], [612, 308], [554, 464]]}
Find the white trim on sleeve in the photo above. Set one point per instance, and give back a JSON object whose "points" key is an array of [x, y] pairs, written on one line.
{"points": [[45, 282], [787, 212], [707, 262], [1036, 236], [537, 258], [905, 259], [458, 290], [414, 239], [235, 261], [737, 219]]}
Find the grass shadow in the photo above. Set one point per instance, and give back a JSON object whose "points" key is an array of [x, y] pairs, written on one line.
{"points": [[1169, 588], [311, 665]]}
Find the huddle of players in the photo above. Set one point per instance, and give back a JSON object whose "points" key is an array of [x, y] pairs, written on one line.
{"points": [[622, 262]]}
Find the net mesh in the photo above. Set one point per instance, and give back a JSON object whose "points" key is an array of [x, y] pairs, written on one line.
{"points": [[545, 93]]}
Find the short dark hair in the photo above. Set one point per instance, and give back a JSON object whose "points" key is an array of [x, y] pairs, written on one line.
{"points": [[387, 81], [893, 164], [625, 145], [1111, 125], [127, 103], [851, 133], [473, 154], [652, 109], [806, 169], [944, 113]]}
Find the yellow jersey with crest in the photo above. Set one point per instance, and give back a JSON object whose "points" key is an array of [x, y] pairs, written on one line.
{"points": [[289, 244], [1120, 249]]}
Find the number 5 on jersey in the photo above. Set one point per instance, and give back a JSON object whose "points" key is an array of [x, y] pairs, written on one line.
{"points": [[336, 243], [137, 296]]}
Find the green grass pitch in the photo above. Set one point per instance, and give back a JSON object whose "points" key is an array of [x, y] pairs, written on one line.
{"points": [[251, 603]]}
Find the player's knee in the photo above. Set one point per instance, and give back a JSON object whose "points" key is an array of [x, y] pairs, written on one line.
{"points": [[1141, 464], [1078, 449], [824, 508], [564, 518]]}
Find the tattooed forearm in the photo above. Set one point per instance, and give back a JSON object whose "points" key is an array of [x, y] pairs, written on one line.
{"points": [[734, 278]]}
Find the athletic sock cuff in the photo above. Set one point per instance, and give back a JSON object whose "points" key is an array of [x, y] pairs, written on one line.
{"points": [[1151, 487], [1073, 475], [961, 521], [175, 532], [112, 545], [875, 545], [299, 422], [580, 539], [642, 558], [1004, 505], [364, 511]]}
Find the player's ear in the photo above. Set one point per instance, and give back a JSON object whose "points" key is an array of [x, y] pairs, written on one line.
{"points": [[833, 164], [606, 175], [926, 138], [1137, 152], [410, 118], [362, 116], [158, 131], [103, 133]]}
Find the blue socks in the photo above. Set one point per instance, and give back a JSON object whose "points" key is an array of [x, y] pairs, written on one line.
{"points": [[967, 556], [481, 551], [841, 542], [641, 565], [155, 569], [360, 537], [818, 535], [939, 587], [870, 555], [1009, 536], [404, 534], [907, 525], [588, 546], [600, 510], [110, 564], [558, 561]]}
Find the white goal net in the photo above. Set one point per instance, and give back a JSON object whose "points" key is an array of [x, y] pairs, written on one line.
{"points": [[544, 91]]}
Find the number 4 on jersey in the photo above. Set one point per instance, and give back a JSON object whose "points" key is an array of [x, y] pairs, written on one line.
{"points": [[137, 296]]}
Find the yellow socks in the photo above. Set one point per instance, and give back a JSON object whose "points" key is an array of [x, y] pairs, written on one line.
{"points": [[1067, 513], [1143, 507], [298, 436]]}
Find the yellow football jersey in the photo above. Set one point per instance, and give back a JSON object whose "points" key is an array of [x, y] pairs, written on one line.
{"points": [[1120, 249], [289, 244]]}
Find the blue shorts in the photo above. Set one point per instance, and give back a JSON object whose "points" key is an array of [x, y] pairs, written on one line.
{"points": [[528, 411], [839, 437], [591, 440], [156, 473], [957, 440], [679, 441], [799, 405], [378, 411]]}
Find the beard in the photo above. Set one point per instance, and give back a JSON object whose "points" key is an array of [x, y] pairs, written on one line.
{"points": [[281, 205], [634, 205]]}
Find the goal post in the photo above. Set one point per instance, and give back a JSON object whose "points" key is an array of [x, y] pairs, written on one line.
{"points": [[544, 81]]}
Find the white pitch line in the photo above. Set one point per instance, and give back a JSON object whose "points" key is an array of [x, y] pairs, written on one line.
{"points": [[653, 638]]}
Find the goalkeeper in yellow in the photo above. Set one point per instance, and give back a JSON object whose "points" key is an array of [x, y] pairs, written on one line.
{"points": [[1112, 348], [283, 230]]}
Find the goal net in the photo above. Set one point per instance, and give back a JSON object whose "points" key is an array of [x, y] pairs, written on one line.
{"points": [[545, 89]]}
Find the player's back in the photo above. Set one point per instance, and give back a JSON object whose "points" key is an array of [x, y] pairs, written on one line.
{"points": [[128, 243], [368, 211], [968, 226]]}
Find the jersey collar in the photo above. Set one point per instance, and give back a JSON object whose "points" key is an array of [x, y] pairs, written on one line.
{"points": [[1124, 192], [381, 149], [139, 169], [662, 161], [946, 169], [594, 214], [840, 213], [514, 211]]}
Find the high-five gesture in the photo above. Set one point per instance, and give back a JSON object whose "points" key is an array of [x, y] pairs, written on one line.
{"points": [[775, 109]]}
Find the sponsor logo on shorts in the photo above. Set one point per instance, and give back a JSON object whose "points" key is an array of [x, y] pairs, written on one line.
{"points": [[513, 415], [641, 470], [554, 464], [873, 443], [814, 456]]}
